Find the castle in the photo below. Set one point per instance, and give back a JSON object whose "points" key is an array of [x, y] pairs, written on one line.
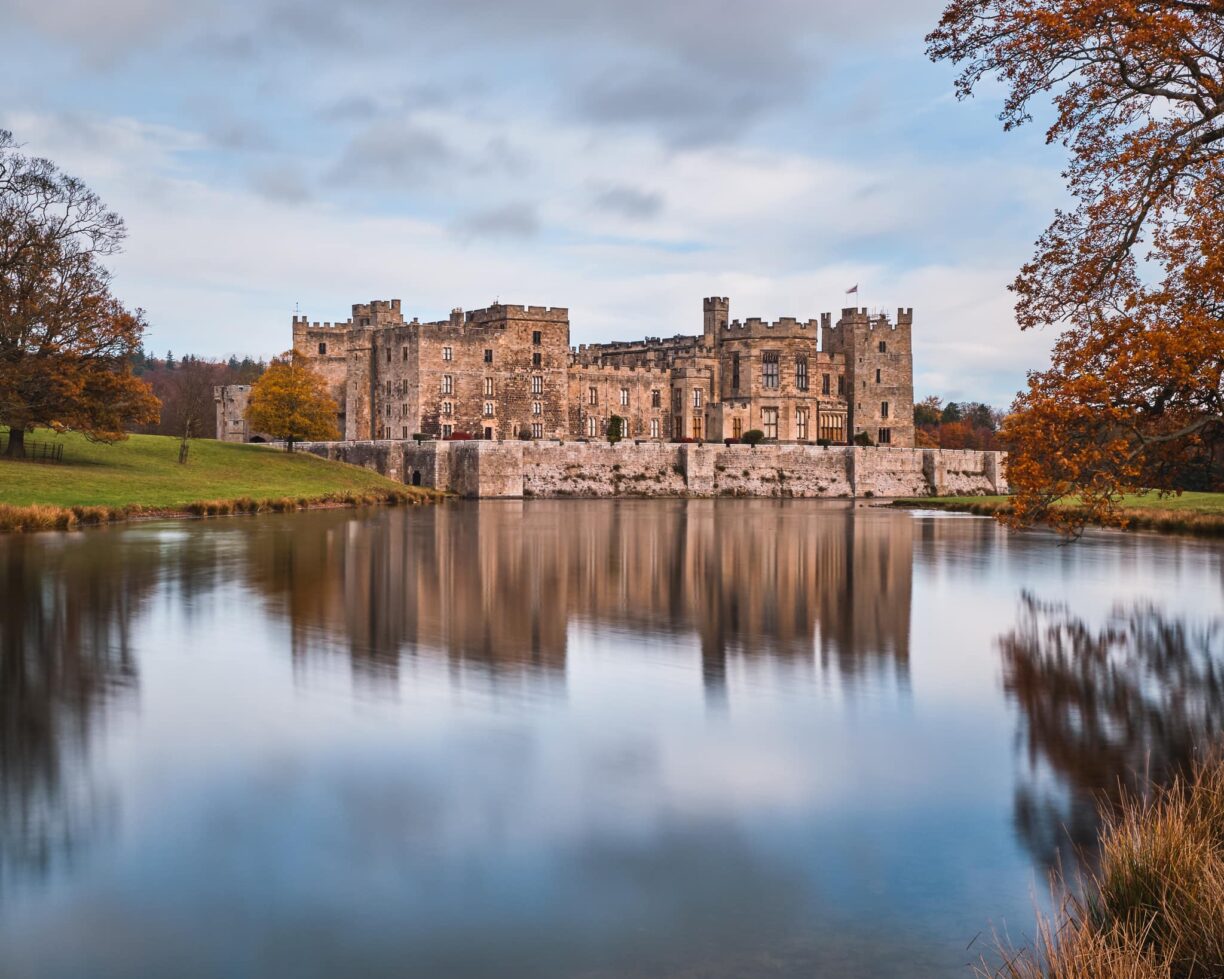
{"points": [[508, 372]]}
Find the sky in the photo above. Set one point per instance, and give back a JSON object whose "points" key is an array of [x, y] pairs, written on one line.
{"points": [[622, 159]]}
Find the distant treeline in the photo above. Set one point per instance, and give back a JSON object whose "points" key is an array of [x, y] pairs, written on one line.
{"points": [[185, 385], [956, 425]]}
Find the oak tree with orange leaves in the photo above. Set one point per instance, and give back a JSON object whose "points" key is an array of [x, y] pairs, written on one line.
{"points": [[1134, 272], [65, 341], [290, 401]]}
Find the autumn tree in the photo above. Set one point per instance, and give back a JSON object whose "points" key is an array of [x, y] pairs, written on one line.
{"points": [[1133, 273], [290, 402], [65, 341]]}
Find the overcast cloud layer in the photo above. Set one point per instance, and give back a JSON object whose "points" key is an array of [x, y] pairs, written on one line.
{"points": [[622, 159]]}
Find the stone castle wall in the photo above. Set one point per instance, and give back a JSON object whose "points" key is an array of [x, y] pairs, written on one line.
{"points": [[583, 469]]}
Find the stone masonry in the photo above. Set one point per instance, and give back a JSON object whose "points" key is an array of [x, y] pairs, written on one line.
{"points": [[508, 372], [543, 468]]}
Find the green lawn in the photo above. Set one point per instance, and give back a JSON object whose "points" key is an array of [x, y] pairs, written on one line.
{"points": [[144, 470], [1209, 503]]}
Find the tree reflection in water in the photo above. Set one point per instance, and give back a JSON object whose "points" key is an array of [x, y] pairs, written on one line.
{"points": [[1105, 712], [64, 654]]}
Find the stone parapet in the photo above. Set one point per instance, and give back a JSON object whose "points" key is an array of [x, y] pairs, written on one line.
{"points": [[483, 469]]}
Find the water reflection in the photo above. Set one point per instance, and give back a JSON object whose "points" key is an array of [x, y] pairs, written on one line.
{"points": [[500, 586], [610, 738], [1105, 709], [65, 655]]}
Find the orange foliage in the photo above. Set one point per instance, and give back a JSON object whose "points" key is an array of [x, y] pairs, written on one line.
{"points": [[1135, 272], [290, 401], [65, 341]]}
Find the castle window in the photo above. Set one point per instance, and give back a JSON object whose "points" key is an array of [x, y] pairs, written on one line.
{"points": [[448, 384], [536, 360], [696, 397], [624, 398], [841, 384], [592, 396], [388, 389], [769, 422], [735, 377], [885, 436], [488, 387], [769, 369], [405, 357], [677, 399], [832, 428], [536, 337], [592, 425], [654, 428], [447, 353], [388, 355], [537, 408], [488, 409], [801, 423], [883, 347], [488, 356], [801, 374], [696, 426], [323, 348], [403, 410], [404, 430], [537, 430], [737, 427], [883, 409], [824, 385], [537, 384], [877, 375], [448, 408], [655, 398], [448, 431]]}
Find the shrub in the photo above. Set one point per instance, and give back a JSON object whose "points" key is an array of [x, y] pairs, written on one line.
{"points": [[524, 434], [823, 443], [616, 429], [753, 436], [732, 441], [863, 439], [683, 440], [459, 437]]}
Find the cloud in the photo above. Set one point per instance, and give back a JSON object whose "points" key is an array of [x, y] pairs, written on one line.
{"points": [[393, 155], [516, 220], [629, 202], [284, 183]]}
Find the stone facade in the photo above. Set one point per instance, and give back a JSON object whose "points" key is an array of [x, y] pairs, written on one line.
{"points": [[508, 372], [231, 401], [648, 468]]}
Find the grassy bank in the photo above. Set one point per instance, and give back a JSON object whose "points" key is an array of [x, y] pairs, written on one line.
{"points": [[1155, 907], [1191, 513], [142, 476]]}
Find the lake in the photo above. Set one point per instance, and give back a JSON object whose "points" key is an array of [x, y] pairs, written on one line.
{"points": [[586, 739]]}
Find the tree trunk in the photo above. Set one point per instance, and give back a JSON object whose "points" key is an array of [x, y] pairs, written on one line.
{"points": [[290, 444], [16, 442]]}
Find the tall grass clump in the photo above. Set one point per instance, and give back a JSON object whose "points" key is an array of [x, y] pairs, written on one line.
{"points": [[1154, 908]]}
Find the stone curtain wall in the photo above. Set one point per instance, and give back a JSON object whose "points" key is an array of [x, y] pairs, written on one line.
{"points": [[583, 469]]}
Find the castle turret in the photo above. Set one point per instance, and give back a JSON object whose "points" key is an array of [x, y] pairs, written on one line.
{"points": [[879, 375], [717, 313]]}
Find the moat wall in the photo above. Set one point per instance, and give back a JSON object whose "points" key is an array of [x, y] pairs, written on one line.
{"points": [[553, 469]]}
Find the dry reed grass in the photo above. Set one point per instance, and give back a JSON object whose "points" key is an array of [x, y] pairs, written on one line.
{"points": [[1164, 521], [1154, 908], [28, 519]]}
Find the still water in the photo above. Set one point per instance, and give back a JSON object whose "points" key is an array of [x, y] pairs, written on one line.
{"points": [[574, 739]]}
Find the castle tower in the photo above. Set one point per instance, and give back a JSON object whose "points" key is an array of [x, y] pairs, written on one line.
{"points": [[879, 375], [717, 310]]}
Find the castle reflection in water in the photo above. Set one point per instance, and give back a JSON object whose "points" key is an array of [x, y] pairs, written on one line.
{"points": [[502, 586]]}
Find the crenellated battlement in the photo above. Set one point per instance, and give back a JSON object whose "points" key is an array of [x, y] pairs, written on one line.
{"points": [[786, 327]]}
